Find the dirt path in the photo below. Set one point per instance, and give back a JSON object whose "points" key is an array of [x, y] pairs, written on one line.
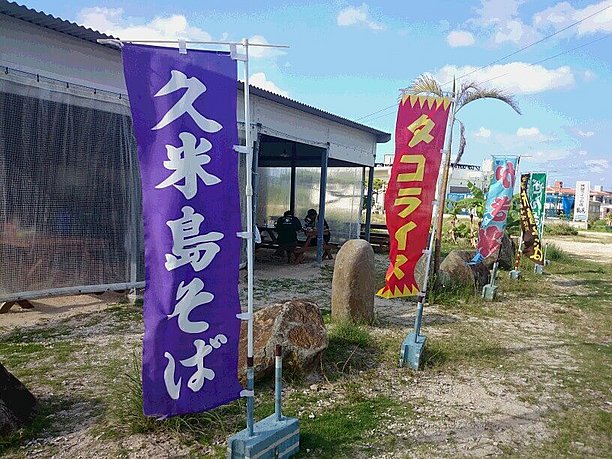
{"points": [[591, 245]]}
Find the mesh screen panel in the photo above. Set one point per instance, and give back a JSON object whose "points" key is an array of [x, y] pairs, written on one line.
{"points": [[70, 196], [342, 205]]}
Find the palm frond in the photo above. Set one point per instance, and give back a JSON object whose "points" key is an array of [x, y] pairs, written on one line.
{"points": [[475, 92], [425, 84], [462, 142]]}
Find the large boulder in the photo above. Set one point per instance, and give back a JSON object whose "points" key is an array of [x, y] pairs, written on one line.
{"points": [[353, 284], [17, 404], [507, 252], [455, 272], [296, 325]]}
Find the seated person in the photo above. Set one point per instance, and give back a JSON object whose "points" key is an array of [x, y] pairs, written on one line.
{"points": [[311, 223], [311, 227], [287, 228]]}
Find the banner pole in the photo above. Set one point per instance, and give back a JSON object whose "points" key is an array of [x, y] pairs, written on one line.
{"points": [[249, 210], [432, 235]]}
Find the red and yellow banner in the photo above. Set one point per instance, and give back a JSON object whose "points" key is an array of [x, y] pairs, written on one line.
{"points": [[419, 138]]}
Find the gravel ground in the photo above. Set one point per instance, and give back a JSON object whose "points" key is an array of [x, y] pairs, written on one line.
{"points": [[498, 401]]}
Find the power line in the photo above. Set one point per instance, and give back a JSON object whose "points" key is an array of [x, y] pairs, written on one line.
{"points": [[506, 57], [531, 44], [507, 73], [503, 74]]}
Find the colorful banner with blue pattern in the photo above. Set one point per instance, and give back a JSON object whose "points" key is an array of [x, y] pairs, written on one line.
{"points": [[499, 199]]}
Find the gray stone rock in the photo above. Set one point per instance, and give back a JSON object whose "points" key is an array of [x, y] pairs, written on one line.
{"points": [[353, 284], [507, 252], [17, 404], [456, 273], [296, 325], [419, 271]]}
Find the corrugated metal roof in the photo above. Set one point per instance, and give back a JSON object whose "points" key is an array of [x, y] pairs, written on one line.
{"points": [[381, 137], [48, 21]]}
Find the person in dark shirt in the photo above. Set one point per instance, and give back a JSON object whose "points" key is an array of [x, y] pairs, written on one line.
{"points": [[311, 223], [287, 228]]}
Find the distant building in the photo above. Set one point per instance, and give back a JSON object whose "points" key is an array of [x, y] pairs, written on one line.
{"points": [[457, 189], [600, 201]]}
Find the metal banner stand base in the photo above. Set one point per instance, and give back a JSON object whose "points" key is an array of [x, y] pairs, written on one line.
{"points": [[276, 436], [538, 269], [489, 291], [515, 274], [412, 350]]}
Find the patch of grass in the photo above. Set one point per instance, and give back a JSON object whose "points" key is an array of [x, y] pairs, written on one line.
{"points": [[350, 334], [125, 415], [452, 296], [560, 229], [42, 425], [602, 226], [351, 348], [465, 345], [555, 253], [349, 427]]}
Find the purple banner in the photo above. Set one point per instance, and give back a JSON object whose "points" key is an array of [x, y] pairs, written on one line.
{"points": [[184, 114]]}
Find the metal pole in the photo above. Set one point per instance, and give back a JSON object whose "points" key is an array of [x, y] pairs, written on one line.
{"points": [[440, 217], [292, 198], [278, 381], [494, 273], [517, 260], [249, 205], [322, 194], [256, 170], [368, 222], [432, 233], [133, 220]]}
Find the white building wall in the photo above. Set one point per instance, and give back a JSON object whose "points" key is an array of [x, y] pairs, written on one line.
{"points": [[34, 49]]}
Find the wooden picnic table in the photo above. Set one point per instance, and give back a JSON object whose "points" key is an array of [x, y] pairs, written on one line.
{"points": [[35, 255]]}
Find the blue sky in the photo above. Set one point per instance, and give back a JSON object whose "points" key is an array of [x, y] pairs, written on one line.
{"points": [[351, 58]]}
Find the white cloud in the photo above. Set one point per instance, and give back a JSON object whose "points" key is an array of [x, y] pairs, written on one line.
{"points": [[483, 133], [111, 21], [601, 22], [262, 52], [515, 77], [597, 165], [541, 156], [528, 132], [562, 14], [261, 81], [458, 38], [582, 133], [582, 152], [357, 15], [500, 19], [589, 75], [510, 31], [493, 12]]}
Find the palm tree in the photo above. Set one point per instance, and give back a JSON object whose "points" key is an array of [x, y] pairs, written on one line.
{"points": [[468, 92]]}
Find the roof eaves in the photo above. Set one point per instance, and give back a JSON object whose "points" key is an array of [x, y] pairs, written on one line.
{"points": [[381, 137], [48, 21]]}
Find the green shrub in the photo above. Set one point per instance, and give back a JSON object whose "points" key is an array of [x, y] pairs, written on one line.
{"points": [[600, 225], [560, 229], [555, 253]]}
